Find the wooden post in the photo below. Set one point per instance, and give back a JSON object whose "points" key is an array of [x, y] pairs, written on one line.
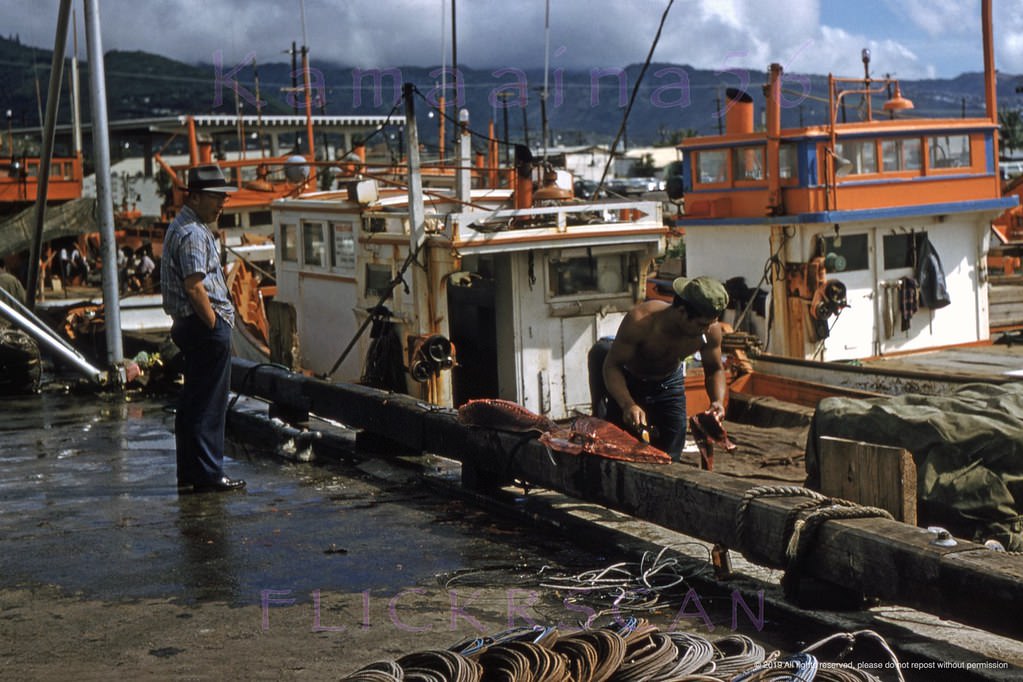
{"points": [[871, 475]]}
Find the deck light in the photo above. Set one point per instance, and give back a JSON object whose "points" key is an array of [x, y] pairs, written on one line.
{"points": [[897, 102]]}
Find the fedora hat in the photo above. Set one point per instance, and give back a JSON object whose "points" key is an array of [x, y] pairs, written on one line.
{"points": [[208, 178]]}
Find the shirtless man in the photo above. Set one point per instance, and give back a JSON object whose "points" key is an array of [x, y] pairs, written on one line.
{"points": [[644, 372]]}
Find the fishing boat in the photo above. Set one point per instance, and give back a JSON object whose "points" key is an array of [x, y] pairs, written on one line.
{"points": [[867, 238], [19, 180], [453, 293]]}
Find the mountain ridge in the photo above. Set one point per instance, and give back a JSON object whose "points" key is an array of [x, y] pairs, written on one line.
{"points": [[582, 107]]}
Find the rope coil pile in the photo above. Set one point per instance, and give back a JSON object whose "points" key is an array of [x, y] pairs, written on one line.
{"points": [[633, 651]]}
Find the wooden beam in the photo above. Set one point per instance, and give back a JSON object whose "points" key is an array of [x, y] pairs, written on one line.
{"points": [[871, 475], [885, 559]]}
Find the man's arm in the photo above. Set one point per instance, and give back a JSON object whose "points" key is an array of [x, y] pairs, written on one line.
{"points": [[714, 370], [199, 299], [623, 348]]}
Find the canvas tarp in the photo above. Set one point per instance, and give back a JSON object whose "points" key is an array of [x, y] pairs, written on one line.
{"points": [[967, 445], [74, 217]]}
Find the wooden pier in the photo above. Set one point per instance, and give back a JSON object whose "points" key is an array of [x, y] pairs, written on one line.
{"points": [[871, 556]]}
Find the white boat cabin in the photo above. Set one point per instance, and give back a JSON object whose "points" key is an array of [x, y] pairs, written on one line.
{"points": [[519, 294]]}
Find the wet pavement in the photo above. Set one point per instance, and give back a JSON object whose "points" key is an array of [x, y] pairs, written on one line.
{"points": [[90, 505], [312, 571], [105, 568]]}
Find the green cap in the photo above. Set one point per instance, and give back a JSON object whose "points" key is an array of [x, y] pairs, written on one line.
{"points": [[706, 295]]}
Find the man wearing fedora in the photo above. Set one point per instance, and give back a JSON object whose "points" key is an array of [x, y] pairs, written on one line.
{"points": [[638, 378], [195, 295]]}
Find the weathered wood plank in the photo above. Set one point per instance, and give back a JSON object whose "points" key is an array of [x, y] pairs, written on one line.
{"points": [[871, 475], [878, 557]]}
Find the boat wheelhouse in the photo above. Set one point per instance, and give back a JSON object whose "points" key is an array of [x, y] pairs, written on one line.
{"points": [[854, 205], [506, 287]]}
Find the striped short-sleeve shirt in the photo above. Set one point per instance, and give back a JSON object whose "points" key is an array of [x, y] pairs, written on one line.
{"points": [[190, 247]]}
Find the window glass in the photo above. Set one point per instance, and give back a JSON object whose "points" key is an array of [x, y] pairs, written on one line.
{"points": [[289, 243], [588, 275], [312, 241], [948, 151], [861, 155], [748, 163], [261, 218], [846, 253], [788, 165], [711, 166], [900, 249], [343, 252], [901, 155], [378, 279]]}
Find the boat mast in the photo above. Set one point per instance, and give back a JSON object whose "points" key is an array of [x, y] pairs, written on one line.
{"points": [[990, 81], [49, 130], [308, 101]]}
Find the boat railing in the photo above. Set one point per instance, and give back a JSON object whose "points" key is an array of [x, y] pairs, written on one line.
{"points": [[557, 219]]}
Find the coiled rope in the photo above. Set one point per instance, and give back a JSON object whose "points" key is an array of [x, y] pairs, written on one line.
{"points": [[625, 651], [801, 531], [630, 586]]}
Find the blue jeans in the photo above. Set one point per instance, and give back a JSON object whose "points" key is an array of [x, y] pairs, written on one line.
{"points": [[202, 405], [663, 400]]}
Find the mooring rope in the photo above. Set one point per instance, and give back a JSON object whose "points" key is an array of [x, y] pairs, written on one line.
{"points": [[800, 531]]}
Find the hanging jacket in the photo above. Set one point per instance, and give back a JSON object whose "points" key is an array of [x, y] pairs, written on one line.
{"points": [[931, 278]]}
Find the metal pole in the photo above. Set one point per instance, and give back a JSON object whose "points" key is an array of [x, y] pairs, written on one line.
{"points": [[49, 129], [76, 91], [44, 337], [104, 196]]}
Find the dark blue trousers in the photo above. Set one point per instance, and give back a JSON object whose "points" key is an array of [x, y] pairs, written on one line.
{"points": [[663, 400], [202, 405]]}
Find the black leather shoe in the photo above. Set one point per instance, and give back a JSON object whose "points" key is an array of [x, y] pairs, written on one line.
{"points": [[221, 485]]}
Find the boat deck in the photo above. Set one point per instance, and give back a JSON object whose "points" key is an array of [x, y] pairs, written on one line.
{"points": [[982, 361]]}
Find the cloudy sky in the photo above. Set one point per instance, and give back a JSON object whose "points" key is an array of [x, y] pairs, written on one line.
{"points": [[908, 38]]}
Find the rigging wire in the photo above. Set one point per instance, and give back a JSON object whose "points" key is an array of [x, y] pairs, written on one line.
{"points": [[632, 98]]}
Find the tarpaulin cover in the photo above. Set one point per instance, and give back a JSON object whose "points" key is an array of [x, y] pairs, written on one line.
{"points": [[967, 445]]}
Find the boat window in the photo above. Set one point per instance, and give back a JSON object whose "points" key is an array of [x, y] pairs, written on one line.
{"points": [[948, 151], [260, 218], [588, 275], [312, 242], [343, 248], [900, 249], [378, 279], [861, 155], [788, 164], [846, 253], [711, 165], [289, 243], [901, 155], [748, 163]]}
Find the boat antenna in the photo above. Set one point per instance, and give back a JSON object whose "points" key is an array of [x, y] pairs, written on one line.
{"points": [[632, 98], [259, 107], [301, 10], [546, 72]]}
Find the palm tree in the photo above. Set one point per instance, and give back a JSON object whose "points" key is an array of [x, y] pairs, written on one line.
{"points": [[1011, 124]]}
